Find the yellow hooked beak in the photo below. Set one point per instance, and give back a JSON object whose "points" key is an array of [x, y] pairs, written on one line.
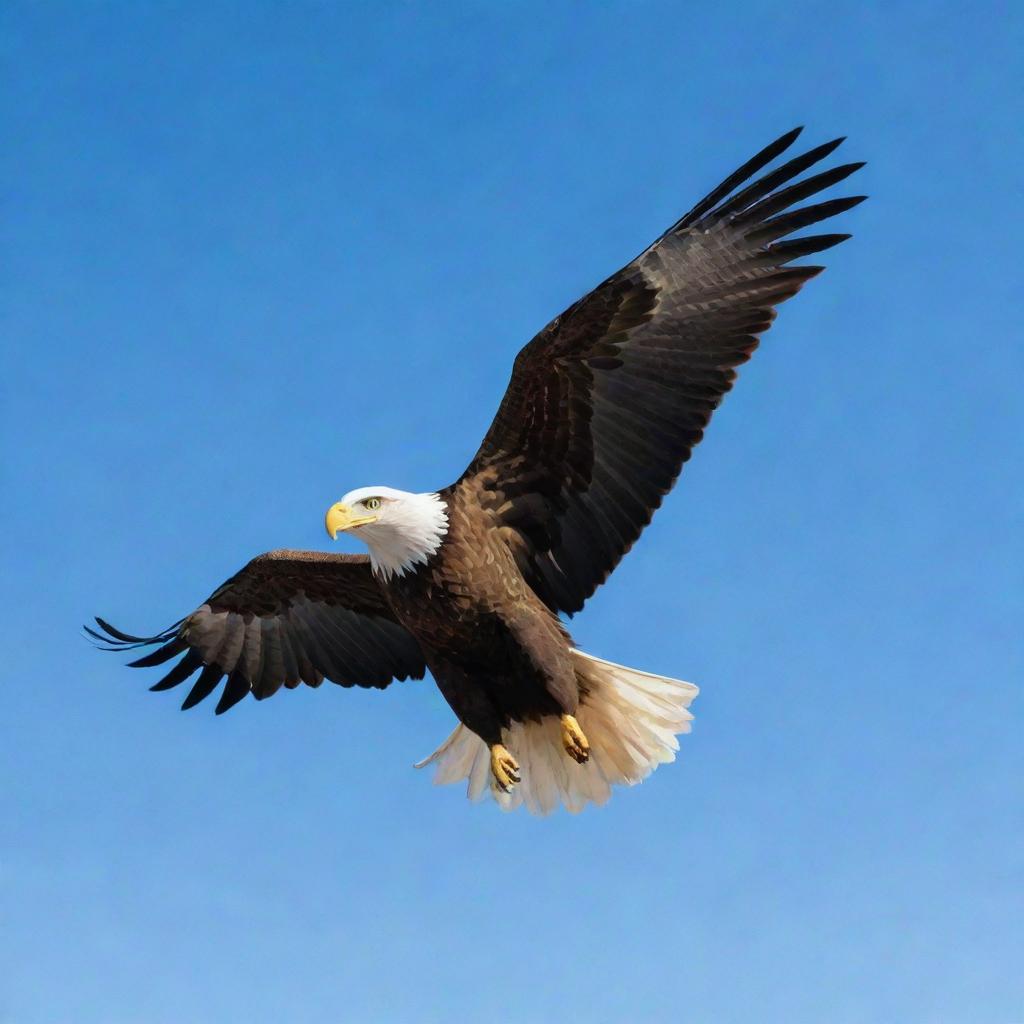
{"points": [[341, 517]]}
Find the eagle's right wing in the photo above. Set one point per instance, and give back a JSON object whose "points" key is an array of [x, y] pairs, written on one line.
{"points": [[609, 400], [287, 617]]}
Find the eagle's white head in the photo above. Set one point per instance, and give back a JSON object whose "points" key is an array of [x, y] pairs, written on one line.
{"points": [[401, 530]]}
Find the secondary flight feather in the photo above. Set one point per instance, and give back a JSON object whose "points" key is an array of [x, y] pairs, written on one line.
{"points": [[604, 407]]}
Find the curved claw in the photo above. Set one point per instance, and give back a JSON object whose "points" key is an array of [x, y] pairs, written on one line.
{"points": [[504, 768], [574, 740]]}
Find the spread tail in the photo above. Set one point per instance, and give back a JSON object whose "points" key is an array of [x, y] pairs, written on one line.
{"points": [[631, 719]]}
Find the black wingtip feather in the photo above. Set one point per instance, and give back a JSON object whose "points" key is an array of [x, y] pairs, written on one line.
{"points": [[103, 643], [235, 689], [203, 687], [160, 655], [797, 247], [767, 184], [106, 643], [776, 202], [127, 641], [179, 673], [117, 634], [793, 220], [740, 175]]}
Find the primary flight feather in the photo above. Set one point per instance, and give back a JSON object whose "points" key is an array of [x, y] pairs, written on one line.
{"points": [[603, 408]]}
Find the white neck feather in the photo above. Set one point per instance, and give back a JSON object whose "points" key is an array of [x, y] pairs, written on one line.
{"points": [[411, 530]]}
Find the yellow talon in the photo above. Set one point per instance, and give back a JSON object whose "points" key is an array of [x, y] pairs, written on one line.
{"points": [[504, 768], [574, 740]]}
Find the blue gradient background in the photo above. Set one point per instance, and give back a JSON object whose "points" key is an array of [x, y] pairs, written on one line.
{"points": [[257, 254]]}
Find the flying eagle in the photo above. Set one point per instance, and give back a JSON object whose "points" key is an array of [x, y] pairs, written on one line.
{"points": [[603, 408]]}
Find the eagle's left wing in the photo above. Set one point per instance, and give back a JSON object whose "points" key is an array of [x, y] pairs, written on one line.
{"points": [[287, 617], [608, 401]]}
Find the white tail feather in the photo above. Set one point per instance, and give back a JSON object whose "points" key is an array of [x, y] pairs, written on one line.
{"points": [[631, 719]]}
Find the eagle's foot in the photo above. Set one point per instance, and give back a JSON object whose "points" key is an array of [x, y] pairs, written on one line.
{"points": [[574, 740], [504, 768]]}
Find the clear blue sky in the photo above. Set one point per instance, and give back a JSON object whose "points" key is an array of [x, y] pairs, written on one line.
{"points": [[258, 254]]}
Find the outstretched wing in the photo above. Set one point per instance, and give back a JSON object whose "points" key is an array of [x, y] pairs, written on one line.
{"points": [[608, 401], [287, 617]]}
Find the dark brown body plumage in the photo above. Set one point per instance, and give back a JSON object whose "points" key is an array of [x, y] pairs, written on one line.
{"points": [[604, 407], [496, 651]]}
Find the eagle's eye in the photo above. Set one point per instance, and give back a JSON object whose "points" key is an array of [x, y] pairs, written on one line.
{"points": [[372, 503]]}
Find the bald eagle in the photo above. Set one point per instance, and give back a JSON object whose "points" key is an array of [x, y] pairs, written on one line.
{"points": [[603, 408]]}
